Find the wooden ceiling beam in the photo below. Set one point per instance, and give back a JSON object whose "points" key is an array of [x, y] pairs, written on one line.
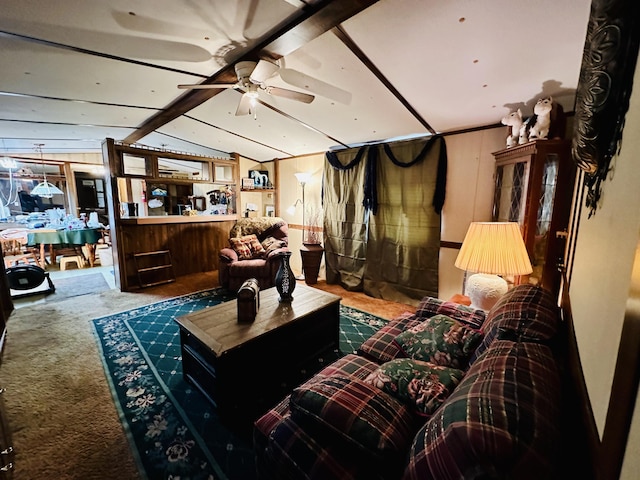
{"points": [[357, 51], [314, 20]]}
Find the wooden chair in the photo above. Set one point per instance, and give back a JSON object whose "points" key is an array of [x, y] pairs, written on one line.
{"points": [[15, 253]]}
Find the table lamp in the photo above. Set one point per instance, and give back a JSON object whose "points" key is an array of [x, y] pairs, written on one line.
{"points": [[491, 249]]}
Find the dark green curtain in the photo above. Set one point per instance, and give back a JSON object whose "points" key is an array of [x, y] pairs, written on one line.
{"points": [[345, 219], [404, 235], [382, 218]]}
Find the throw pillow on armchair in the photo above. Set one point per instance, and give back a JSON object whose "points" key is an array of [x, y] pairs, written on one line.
{"points": [[254, 246]]}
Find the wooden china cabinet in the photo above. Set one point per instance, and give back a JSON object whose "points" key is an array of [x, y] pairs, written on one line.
{"points": [[533, 187]]}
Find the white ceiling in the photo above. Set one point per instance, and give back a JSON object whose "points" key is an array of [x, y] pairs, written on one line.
{"points": [[74, 72]]}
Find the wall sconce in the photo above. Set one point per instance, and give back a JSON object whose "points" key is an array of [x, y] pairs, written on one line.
{"points": [[292, 209]]}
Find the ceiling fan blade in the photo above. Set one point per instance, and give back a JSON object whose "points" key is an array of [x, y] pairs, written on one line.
{"points": [[285, 93], [203, 86], [244, 106], [302, 80], [263, 70]]}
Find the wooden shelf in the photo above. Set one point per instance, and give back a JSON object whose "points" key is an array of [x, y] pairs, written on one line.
{"points": [[164, 256]]}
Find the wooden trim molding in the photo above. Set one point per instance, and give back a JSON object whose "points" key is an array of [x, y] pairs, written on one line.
{"points": [[443, 243], [307, 228], [601, 459], [580, 433], [624, 391]]}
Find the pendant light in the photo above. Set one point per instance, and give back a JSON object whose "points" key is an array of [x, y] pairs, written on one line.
{"points": [[45, 189]]}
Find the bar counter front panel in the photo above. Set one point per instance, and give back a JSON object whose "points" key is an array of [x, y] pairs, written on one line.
{"points": [[194, 243]]}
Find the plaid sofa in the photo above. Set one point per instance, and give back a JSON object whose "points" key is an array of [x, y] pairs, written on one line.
{"points": [[501, 421]]}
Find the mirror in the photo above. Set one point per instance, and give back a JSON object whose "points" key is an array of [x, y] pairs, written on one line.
{"points": [[135, 165], [223, 173], [182, 169]]}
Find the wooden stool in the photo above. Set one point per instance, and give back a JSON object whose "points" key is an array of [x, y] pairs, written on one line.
{"points": [[77, 259]]}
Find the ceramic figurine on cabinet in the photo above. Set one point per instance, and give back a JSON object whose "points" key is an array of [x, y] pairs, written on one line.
{"points": [[542, 113], [514, 121]]}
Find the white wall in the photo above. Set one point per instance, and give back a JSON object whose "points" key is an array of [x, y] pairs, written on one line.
{"points": [[290, 191], [470, 179], [600, 280]]}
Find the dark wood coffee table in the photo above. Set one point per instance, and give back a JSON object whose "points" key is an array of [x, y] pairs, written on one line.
{"points": [[243, 367]]}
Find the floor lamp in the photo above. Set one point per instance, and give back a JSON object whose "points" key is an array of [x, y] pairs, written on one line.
{"points": [[303, 178], [491, 249]]}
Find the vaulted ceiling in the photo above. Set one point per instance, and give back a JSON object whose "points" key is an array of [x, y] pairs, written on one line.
{"points": [[73, 72]]}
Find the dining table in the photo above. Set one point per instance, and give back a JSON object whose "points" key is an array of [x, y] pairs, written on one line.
{"points": [[87, 237]]}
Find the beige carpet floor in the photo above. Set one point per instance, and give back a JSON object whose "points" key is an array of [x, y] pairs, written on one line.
{"points": [[59, 408]]}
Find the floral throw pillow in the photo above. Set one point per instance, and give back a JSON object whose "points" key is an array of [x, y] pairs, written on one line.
{"points": [[270, 244], [420, 385], [247, 247], [241, 248], [440, 340], [257, 250]]}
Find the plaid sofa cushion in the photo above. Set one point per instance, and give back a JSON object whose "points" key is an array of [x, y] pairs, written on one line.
{"points": [[350, 412], [284, 450], [430, 306], [350, 365], [381, 346], [295, 454], [526, 313], [261, 431], [500, 422]]}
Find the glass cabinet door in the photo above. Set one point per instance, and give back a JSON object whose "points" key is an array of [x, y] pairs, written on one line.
{"points": [[527, 180], [544, 214], [509, 199]]}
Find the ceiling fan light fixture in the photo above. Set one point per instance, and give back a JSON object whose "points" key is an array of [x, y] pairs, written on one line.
{"points": [[244, 69], [252, 97]]}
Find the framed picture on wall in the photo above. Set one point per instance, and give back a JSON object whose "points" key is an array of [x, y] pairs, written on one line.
{"points": [[260, 178], [269, 210], [247, 183]]}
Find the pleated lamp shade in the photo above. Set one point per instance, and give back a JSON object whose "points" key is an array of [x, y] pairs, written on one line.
{"points": [[492, 249]]}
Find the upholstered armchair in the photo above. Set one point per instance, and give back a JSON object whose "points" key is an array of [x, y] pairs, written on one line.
{"points": [[253, 252]]}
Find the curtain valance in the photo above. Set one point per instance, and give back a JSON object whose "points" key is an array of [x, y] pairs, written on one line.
{"points": [[370, 179]]}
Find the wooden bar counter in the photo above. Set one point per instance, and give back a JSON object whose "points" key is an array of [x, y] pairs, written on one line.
{"points": [[194, 243]]}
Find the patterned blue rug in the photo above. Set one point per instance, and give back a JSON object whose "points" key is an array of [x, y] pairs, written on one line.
{"points": [[174, 432]]}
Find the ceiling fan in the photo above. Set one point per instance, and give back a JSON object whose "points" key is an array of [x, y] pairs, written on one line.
{"points": [[251, 79]]}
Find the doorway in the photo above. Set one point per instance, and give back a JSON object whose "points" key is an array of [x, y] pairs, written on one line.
{"points": [[91, 195]]}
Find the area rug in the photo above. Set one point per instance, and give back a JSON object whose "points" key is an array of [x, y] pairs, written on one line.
{"points": [[174, 432], [77, 285]]}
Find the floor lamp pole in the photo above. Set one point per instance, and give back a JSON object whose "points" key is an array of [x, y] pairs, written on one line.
{"points": [[303, 226]]}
